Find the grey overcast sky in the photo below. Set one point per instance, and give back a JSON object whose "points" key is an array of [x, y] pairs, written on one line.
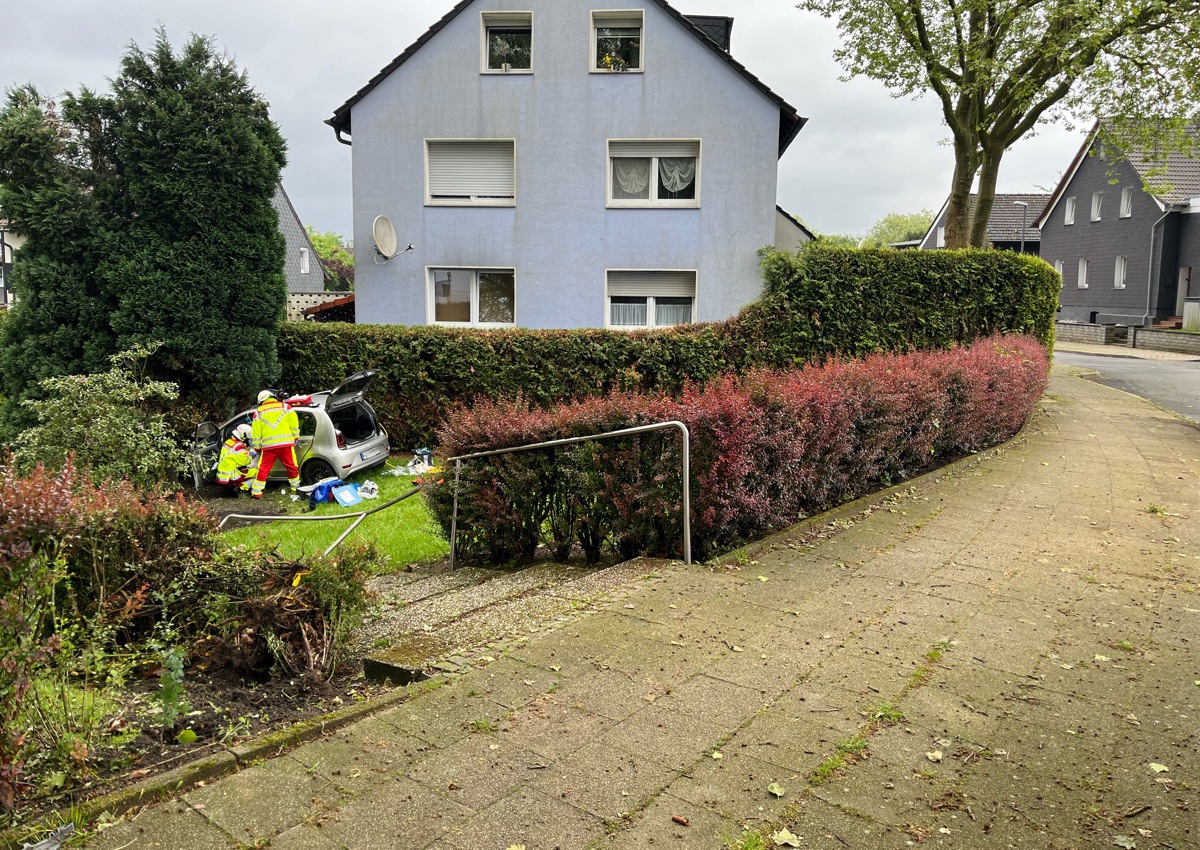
{"points": [[861, 156]]}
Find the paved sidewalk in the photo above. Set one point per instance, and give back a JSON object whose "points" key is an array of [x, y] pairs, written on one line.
{"points": [[1121, 351], [1004, 658]]}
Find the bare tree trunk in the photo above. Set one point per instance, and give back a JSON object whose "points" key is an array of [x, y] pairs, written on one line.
{"points": [[986, 198], [958, 211]]}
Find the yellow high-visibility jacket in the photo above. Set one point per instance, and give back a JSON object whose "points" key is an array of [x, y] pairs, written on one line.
{"points": [[235, 461], [275, 424]]}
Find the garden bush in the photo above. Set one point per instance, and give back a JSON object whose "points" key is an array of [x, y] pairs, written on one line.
{"points": [[818, 304], [103, 582], [766, 448]]}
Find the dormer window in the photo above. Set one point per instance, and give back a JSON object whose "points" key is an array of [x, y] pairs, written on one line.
{"points": [[617, 37], [507, 42]]}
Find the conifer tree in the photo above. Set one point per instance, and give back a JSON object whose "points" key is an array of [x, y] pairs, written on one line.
{"points": [[148, 217]]}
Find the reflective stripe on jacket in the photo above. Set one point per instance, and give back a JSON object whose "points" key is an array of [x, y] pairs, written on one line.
{"points": [[275, 424], [235, 456]]}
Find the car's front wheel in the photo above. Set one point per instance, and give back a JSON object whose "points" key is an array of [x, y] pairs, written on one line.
{"points": [[316, 470]]}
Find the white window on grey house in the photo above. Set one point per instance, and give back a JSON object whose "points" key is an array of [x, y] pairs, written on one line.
{"points": [[650, 299], [1058, 270], [1127, 202], [1069, 213], [1097, 202], [941, 237], [304, 268], [1081, 281], [617, 40], [480, 297], [1119, 272], [663, 173], [507, 42], [470, 172]]}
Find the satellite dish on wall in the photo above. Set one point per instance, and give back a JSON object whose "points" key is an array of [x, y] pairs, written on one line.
{"points": [[385, 237]]}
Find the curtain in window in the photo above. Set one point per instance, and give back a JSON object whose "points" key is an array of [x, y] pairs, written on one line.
{"points": [[632, 176], [674, 311], [628, 313], [676, 173]]}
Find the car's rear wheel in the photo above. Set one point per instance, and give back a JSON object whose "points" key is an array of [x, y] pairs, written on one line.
{"points": [[315, 470]]}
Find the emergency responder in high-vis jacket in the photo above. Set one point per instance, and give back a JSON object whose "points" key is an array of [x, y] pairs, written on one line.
{"points": [[236, 467], [273, 434]]}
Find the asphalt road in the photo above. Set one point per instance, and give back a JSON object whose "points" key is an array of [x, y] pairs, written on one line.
{"points": [[1172, 384]]}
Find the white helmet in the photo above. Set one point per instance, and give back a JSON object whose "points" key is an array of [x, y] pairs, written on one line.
{"points": [[264, 395], [242, 432]]}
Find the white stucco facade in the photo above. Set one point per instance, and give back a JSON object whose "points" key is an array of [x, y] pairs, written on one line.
{"points": [[561, 235]]}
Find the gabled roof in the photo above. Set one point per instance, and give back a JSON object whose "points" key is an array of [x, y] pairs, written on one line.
{"points": [[1004, 223], [799, 224], [790, 121], [1180, 172]]}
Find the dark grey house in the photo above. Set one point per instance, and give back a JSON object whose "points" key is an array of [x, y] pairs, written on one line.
{"points": [[301, 265], [1010, 226], [1126, 256]]}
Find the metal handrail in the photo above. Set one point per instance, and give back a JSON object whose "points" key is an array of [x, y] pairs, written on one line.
{"points": [[361, 515], [566, 441]]}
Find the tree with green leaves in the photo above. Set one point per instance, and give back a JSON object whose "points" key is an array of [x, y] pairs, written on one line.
{"points": [[998, 68], [147, 214], [337, 256], [838, 240], [897, 227]]}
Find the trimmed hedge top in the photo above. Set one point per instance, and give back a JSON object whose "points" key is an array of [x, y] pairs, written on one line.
{"points": [[818, 304]]}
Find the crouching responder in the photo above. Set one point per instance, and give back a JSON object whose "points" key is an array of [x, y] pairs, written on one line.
{"points": [[236, 467], [273, 434]]}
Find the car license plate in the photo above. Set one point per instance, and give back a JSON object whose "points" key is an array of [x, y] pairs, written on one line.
{"points": [[371, 454]]}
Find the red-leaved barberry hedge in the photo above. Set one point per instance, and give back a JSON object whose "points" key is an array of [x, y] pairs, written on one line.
{"points": [[767, 448]]}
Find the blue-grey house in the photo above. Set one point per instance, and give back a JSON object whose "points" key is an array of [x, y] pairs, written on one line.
{"points": [[563, 164], [1126, 256], [1010, 226]]}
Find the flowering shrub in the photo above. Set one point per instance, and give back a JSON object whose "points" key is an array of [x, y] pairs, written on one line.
{"points": [[766, 448]]}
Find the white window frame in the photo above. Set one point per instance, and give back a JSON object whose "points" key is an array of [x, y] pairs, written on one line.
{"points": [[480, 200], [305, 267], [1126, 202], [1069, 211], [615, 15], [940, 240], [1081, 280], [650, 300], [431, 307], [503, 20], [1120, 271], [1097, 205], [653, 202], [1058, 270]]}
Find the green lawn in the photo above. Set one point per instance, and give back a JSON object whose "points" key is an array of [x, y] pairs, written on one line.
{"points": [[406, 532]]}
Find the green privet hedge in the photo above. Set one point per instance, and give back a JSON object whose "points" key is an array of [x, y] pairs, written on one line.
{"points": [[819, 303], [766, 448]]}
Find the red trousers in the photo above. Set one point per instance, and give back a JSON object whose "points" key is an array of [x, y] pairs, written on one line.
{"points": [[266, 460]]}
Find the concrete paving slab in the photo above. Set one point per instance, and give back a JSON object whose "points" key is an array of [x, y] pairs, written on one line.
{"points": [[530, 818], [478, 770], [264, 800], [553, 729], [735, 786], [605, 780], [170, 826], [667, 735], [398, 813], [822, 826], [659, 825]]}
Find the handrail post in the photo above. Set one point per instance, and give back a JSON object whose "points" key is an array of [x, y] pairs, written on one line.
{"points": [[454, 513], [687, 497]]}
